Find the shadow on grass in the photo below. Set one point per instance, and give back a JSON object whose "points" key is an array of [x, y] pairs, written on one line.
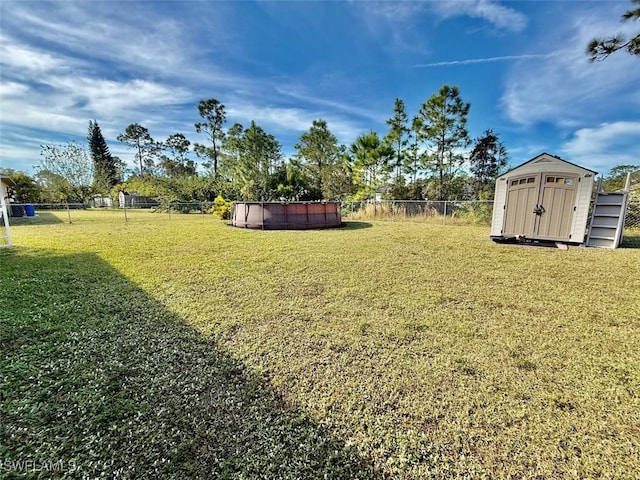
{"points": [[631, 241], [41, 218], [353, 225], [98, 379]]}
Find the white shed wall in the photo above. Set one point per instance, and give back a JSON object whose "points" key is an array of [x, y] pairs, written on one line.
{"points": [[499, 201], [581, 215]]}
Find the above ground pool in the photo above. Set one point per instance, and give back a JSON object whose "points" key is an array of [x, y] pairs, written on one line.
{"points": [[286, 216]]}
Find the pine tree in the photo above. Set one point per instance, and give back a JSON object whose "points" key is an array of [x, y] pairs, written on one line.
{"points": [[488, 158], [138, 137], [105, 167], [215, 116], [600, 48], [319, 152], [398, 136], [443, 128]]}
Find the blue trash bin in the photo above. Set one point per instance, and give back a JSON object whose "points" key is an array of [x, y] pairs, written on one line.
{"points": [[30, 210]]}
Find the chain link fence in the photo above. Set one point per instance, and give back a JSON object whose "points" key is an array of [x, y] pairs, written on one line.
{"points": [[44, 213], [632, 218], [471, 212], [445, 212]]}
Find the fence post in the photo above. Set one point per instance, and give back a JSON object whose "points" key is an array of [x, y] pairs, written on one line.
{"points": [[124, 207], [69, 213], [444, 217]]}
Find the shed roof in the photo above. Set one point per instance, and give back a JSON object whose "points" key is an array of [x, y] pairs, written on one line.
{"points": [[538, 157]]}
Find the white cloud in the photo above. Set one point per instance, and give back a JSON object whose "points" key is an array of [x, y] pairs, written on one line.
{"points": [[564, 88], [146, 43], [10, 89], [299, 95], [599, 147], [501, 17], [23, 58], [398, 24]]}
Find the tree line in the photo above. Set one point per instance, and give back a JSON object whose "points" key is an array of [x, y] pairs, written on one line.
{"points": [[427, 156], [419, 158]]}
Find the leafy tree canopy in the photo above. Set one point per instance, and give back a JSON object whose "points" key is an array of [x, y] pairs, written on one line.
{"points": [[25, 188], [70, 170]]}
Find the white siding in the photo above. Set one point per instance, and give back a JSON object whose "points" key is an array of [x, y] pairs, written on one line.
{"points": [[500, 199], [583, 200]]}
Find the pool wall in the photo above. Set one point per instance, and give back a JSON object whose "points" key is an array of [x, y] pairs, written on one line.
{"points": [[286, 216]]}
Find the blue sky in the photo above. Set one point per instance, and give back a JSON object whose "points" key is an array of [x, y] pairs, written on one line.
{"points": [[521, 65]]}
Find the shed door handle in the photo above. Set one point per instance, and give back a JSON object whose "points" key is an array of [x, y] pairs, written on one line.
{"points": [[539, 210]]}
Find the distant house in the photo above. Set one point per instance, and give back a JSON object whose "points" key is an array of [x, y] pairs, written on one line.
{"points": [[135, 200], [101, 201]]}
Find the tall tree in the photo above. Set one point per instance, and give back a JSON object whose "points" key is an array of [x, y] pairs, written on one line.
{"points": [[136, 136], [487, 159], [73, 169], [252, 156], [292, 182], [399, 136], [443, 129], [414, 157], [600, 48], [212, 111], [371, 158], [177, 163], [319, 153], [106, 171], [231, 150]]}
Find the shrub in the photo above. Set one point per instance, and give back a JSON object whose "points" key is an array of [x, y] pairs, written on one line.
{"points": [[222, 208]]}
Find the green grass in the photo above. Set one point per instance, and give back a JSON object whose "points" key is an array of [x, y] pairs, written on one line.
{"points": [[182, 348]]}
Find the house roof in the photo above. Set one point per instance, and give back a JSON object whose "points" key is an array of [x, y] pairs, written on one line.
{"points": [[6, 179], [538, 157]]}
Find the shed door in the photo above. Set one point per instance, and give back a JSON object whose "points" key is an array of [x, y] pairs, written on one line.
{"points": [[540, 206], [522, 196], [557, 198]]}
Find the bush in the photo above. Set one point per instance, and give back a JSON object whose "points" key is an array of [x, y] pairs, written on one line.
{"points": [[222, 208]]}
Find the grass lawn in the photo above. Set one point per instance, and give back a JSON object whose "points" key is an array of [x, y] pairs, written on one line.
{"points": [[182, 348]]}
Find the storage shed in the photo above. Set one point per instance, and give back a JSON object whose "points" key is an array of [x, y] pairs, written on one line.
{"points": [[546, 199]]}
